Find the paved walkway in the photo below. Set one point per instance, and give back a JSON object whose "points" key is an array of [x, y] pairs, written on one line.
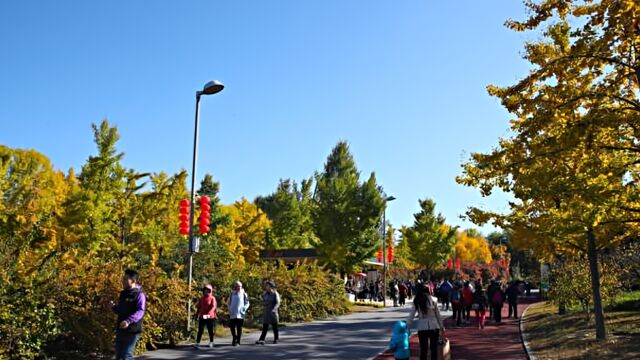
{"points": [[354, 336], [496, 341]]}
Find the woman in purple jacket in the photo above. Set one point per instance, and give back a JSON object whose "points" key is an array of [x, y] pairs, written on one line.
{"points": [[130, 309]]}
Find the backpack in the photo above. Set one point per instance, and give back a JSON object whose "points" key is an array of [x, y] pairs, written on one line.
{"points": [[455, 296]]}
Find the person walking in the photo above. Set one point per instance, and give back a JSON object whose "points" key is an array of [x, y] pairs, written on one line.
{"points": [[207, 314], [513, 291], [402, 292], [480, 305], [445, 290], [497, 301], [238, 304], [429, 323], [270, 302], [393, 290], [457, 303], [130, 308], [467, 302]]}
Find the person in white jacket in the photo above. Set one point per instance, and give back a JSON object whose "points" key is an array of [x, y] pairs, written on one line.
{"points": [[238, 304], [428, 324]]}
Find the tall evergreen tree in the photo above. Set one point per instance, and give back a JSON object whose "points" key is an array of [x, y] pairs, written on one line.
{"points": [[347, 212], [430, 239], [289, 209]]}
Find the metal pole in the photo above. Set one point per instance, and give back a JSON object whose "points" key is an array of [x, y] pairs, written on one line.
{"points": [[191, 210], [384, 256]]}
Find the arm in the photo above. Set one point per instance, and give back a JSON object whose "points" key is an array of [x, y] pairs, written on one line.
{"points": [[141, 306], [412, 315], [275, 308], [214, 307], [246, 303]]}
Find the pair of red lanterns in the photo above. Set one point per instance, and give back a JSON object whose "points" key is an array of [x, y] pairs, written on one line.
{"points": [[450, 264], [203, 221], [389, 254]]}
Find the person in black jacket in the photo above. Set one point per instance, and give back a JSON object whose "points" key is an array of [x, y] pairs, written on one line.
{"points": [[513, 291], [130, 309]]}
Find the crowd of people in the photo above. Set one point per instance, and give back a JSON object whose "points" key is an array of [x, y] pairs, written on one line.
{"points": [[461, 297]]}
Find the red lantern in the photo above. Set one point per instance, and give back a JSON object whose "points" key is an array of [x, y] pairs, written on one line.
{"points": [[184, 217], [457, 264], [449, 264], [205, 215], [379, 255], [390, 254]]}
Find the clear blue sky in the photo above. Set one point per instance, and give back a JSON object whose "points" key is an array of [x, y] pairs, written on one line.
{"points": [[402, 81]]}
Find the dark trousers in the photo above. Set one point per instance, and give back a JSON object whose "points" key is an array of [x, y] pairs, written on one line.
{"points": [[211, 325], [466, 312], [125, 345], [402, 300], [236, 329], [429, 340], [513, 309], [445, 301], [457, 313], [265, 328], [497, 312]]}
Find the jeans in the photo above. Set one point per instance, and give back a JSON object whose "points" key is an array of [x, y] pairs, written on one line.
{"points": [[513, 306], [429, 339], [236, 329], [125, 345], [265, 328], [211, 325]]}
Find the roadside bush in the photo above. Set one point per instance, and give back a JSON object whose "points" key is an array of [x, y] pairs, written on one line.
{"points": [[306, 291], [570, 282]]}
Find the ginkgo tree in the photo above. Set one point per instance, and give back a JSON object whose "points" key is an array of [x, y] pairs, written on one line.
{"points": [[572, 160]]}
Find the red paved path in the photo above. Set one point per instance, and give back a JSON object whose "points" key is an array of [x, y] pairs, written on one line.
{"points": [[496, 341]]}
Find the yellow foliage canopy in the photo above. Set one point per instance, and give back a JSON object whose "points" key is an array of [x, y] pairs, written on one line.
{"points": [[245, 233], [470, 248]]}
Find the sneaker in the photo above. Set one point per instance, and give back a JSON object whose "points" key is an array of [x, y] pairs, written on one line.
{"points": [[260, 342], [196, 346], [211, 345], [233, 343], [275, 341]]}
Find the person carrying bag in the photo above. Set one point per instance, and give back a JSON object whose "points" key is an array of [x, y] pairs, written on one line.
{"points": [[428, 323]]}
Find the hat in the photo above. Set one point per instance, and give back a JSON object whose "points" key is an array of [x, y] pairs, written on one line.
{"points": [[208, 286], [270, 283]]}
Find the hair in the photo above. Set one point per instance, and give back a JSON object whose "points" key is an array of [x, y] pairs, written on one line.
{"points": [[132, 274], [422, 300]]}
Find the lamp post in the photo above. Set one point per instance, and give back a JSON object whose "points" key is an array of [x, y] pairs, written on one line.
{"points": [[384, 248], [210, 88]]}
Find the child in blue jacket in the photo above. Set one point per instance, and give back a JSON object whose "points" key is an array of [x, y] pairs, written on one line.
{"points": [[400, 341]]}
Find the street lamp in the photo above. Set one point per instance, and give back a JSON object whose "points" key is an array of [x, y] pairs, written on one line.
{"points": [[210, 88], [384, 255]]}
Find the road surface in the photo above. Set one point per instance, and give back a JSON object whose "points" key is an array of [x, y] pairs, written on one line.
{"points": [[354, 336]]}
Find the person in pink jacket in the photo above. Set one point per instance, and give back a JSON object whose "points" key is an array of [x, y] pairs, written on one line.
{"points": [[207, 315]]}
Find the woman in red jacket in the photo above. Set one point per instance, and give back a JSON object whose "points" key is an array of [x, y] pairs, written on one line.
{"points": [[207, 314]]}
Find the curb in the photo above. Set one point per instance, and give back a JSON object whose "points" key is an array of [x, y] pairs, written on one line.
{"points": [[523, 338]]}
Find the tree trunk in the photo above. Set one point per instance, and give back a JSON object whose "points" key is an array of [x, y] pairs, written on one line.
{"points": [[595, 286]]}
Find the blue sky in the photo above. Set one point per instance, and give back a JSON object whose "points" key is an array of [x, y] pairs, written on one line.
{"points": [[402, 81]]}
